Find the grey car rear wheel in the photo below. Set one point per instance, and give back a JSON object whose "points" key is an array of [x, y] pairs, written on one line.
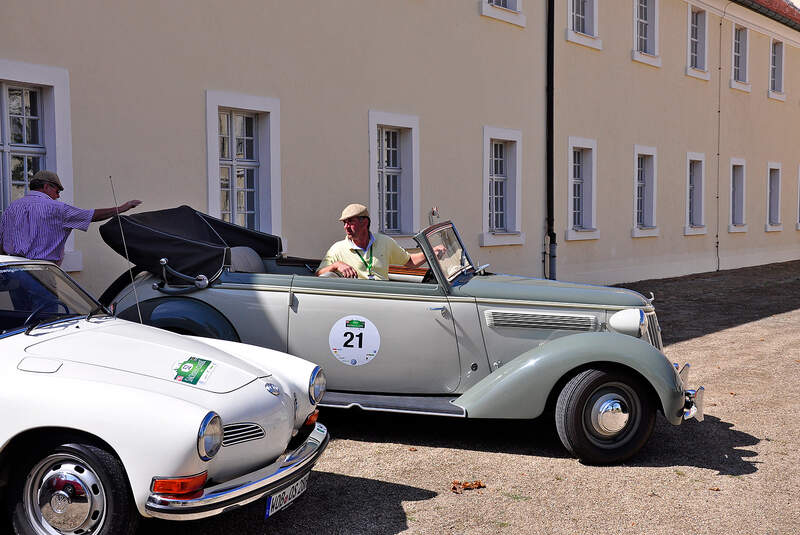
{"points": [[72, 488], [603, 416]]}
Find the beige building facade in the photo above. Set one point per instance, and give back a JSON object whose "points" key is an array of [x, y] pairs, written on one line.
{"points": [[276, 114], [676, 130]]}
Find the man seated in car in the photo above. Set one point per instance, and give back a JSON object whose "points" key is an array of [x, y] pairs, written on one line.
{"points": [[362, 254]]}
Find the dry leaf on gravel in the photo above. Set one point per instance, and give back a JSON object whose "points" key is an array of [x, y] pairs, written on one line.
{"points": [[715, 489], [412, 448], [460, 486]]}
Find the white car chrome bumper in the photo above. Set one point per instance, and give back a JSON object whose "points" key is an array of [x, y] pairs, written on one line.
{"points": [[288, 468]]}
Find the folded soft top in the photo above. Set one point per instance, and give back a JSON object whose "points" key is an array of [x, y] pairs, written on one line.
{"points": [[193, 242]]}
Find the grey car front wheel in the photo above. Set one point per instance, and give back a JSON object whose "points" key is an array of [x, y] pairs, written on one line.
{"points": [[603, 416]]}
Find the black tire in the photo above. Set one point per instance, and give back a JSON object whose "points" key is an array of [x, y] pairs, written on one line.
{"points": [[604, 417], [87, 490]]}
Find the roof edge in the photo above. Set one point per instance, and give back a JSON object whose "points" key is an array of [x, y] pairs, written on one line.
{"points": [[778, 10]]}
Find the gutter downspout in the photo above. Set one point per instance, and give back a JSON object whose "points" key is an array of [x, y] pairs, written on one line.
{"points": [[551, 235]]}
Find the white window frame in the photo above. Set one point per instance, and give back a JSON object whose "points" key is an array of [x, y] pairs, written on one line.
{"points": [[652, 56], [738, 227], [268, 111], [512, 14], [589, 230], [741, 85], [772, 225], [513, 234], [591, 36], [777, 93], [651, 201], [702, 40], [56, 125], [410, 179], [699, 195]]}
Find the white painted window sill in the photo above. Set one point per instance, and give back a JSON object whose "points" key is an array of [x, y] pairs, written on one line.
{"points": [[776, 95], [647, 59], [491, 239], [500, 13], [644, 232], [582, 234], [73, 261], [741, 86], [737, 228], [773, 228], [698, 73], [587, 40], [689, 230]]}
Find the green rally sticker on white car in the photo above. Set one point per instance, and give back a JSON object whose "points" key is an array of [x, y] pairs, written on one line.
{"points": [[193, 370], [354, 340]]}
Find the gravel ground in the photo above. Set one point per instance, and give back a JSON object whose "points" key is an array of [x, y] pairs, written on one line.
{"points": [[736, 472]]}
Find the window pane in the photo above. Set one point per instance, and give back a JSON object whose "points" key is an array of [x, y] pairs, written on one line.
{"points": [[225, 200], [32, 103], [17, 191], [250, 175], [241, 202], [241, 219], [225, 177], [15, 101], [238, 125], [33, 165], [251, 221], [240, 178], [239, 148], [226, 217], [223, 124], [251, 200], [224, 147], [248, 149], [16, 130], [248, 126], [17, 169], [32, 131]]}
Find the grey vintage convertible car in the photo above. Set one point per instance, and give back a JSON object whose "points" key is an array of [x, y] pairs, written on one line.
{"points": [[451, 340]]}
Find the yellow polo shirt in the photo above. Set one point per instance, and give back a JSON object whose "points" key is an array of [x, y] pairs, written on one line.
{"points": [[382, 250]]}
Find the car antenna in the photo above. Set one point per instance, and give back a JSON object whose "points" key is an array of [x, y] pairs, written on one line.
{"points": [[125, 247]]}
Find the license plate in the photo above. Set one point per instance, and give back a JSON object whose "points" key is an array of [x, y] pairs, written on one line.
{"points": [[278, 501]]}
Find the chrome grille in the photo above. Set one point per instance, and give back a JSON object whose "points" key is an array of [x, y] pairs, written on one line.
{"points": [[541, 320], [238, 433], [654, 331]]}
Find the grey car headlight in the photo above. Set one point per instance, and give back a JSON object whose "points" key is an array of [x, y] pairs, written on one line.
{"points": [[630, 321], [209, 437], [317, 385]]}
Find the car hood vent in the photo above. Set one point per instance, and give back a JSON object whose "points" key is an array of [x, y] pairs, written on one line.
{"points": [[541, 320], [238, 433]]}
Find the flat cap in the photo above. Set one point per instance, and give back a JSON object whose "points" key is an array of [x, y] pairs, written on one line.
{"points": [[354, 210], [50, 177]]}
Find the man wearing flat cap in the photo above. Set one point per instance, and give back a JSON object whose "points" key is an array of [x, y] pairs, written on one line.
{"points": [[362, 254], [37, 225]]}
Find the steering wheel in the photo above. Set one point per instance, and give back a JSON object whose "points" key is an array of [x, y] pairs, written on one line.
{"points": [[429, 276], [35, 312]]}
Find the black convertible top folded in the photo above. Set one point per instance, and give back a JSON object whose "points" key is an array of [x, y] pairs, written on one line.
{"points": [[194, 243]]}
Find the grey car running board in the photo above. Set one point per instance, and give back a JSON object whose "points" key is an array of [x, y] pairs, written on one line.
{"points": [[434, 405]]}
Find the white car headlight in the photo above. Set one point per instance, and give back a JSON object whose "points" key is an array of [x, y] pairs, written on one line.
{"points": [[317, 385], [209, 437], [630, 321]]}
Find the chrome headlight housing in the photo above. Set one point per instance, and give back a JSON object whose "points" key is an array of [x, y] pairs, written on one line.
{"points": [[631, 321], [209, 437], [317, 385]]}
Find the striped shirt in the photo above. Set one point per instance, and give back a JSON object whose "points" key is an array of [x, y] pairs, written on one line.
{"points": [[37, 226]]}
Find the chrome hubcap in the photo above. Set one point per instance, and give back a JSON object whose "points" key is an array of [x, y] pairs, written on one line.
{"points": [[64, 495], [609, 415]]}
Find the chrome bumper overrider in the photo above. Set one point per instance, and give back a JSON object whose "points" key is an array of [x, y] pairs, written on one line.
{"points": [[287, 469], [693, 399]]}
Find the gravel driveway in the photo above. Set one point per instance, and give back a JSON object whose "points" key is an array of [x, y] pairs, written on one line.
{"points": [[736, 472]]}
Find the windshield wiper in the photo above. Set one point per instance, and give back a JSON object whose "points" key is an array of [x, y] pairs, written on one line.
{"points": [[53, 317], [96, 310]]}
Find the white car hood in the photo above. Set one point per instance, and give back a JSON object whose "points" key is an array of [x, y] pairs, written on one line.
{"points": [[133, 348]]}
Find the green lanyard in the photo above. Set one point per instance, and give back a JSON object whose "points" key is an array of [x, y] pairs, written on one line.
{"points": [[371, 259]]}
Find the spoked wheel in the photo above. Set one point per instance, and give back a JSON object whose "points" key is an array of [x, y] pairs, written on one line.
{"points": [[72, 489], [604, 416]]}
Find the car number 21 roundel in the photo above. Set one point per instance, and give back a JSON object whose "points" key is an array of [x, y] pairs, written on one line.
{"points": [[354, 340]]}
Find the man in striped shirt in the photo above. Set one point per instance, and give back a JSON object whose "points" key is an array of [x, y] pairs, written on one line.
{"points": [[37, 225]]}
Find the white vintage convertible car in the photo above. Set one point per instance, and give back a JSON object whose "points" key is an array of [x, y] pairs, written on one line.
{"points": [[105, 420]]}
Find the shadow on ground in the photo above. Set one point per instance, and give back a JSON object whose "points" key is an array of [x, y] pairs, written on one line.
{"points": [[696, 305], [333, 504], [712, 444]]}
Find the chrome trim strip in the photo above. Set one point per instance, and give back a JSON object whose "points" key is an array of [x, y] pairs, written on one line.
{"points": [[238, 286], [397, 411], [540, 320], [286, 469], [552, 304], [372, 295]]}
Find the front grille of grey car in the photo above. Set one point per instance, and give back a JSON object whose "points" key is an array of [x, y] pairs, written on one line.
{"points": [[238, 433], [654, 331], [534, 320]]}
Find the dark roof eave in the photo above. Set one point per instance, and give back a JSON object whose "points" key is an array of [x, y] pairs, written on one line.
{"points": [[771, 13]]}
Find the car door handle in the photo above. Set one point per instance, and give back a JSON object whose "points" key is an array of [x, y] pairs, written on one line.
{"points": [[441, 309]]}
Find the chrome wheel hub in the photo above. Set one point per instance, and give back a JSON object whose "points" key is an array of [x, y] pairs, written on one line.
{"points": [[609, 414], [64, 495]]}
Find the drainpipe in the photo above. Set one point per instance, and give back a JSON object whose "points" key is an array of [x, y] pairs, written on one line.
{"points": [[551, 235]]}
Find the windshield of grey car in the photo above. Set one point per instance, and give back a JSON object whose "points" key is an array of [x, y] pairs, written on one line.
{"points": [[450, 254], [35, 293]]}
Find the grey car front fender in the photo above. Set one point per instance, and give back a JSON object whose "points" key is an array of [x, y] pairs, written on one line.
{"points": [[520, 389]]}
